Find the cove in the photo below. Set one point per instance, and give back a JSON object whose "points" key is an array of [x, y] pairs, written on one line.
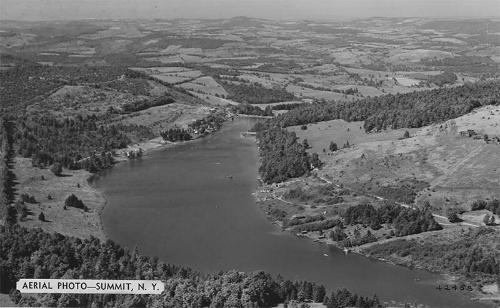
{"points": [[179, 204]]}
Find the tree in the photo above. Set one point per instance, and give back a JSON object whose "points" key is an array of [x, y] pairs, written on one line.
{"points": [[315, 162], [11, 217], [41, 217], [73, 201], [453, 216], [406, 135], [305, 144], [478, 205], [56, 169], [333, 146]]}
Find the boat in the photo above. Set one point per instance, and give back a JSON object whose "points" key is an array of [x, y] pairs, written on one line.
{"points": [[346, 250], [325, 255]]}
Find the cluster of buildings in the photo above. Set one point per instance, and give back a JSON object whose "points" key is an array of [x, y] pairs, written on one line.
{"points": [[134, 153]]}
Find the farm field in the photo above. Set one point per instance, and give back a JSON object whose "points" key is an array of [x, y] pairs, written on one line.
{"points": [[370, 57], [406, 169]]}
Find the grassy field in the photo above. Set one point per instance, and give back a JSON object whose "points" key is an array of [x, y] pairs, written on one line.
{"points": [[320, 135], [40, 183], [458, 170]]}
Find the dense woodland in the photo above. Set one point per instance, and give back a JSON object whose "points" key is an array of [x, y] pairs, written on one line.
{"points": [[145, 104], [283, 156], [443, 78], [255, 93], [288, 106], [34, 253], [414, 109], [405, 221], [22, 84], [7, 211], [469, 255], [176, 134], [210, 123], [70, 141]]}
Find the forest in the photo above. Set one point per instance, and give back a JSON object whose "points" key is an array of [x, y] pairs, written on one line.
{"points": [[34, 253], [469, 255], [443, 78], [22, 84], [409, 110], [7, 211], [405, 221], [176, 134], [255, 93], [210, 123], [79, 142], [288, 106], [283, 156], [145, 104]]}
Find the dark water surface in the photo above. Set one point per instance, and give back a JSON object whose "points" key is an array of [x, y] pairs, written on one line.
{"points": [[177, 203]]}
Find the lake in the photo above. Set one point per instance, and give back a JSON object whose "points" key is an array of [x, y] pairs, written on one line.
{"points": [[178, 203]]}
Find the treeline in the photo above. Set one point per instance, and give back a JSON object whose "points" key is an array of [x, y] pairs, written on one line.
{"points": [[248, 109], [79, 142], [491, 205], [282, 156], [408, 110], [405, 221], [208, 124], [255, 93], [7, 211], [288, 106], [32, 253], [176, 134], [145, 104], [443, 78], [469, 255]]}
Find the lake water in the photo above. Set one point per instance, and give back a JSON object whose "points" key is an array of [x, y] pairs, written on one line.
{"points": [[177, 203]]}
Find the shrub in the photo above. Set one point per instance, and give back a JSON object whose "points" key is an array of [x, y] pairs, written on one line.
{"points": [[453, 216], [27, 198], [478, 205]]}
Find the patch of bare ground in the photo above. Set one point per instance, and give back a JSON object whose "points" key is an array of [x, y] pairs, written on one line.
{"points": [[50, 193]]}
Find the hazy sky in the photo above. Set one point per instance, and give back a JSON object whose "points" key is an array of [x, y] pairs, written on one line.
{"points": [[280, 9]]}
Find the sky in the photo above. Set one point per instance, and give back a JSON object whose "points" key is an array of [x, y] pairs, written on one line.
{"points": [[271, 9]]}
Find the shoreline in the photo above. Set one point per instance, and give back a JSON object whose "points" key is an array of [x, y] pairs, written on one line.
{"points": [[148, 147], [446, 277]]}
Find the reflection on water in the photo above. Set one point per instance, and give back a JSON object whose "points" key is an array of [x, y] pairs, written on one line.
{"points": [[181, 205]]}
